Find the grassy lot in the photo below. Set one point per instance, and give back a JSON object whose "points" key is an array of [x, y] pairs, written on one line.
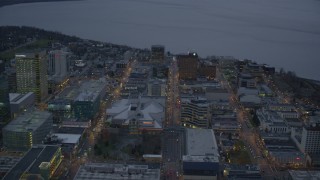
{"points": [[9, 54], [239, 155], [118, 147]]}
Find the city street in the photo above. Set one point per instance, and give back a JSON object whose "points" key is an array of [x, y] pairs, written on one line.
{"points": [[85, 152], [249, 135], [173, 135]]}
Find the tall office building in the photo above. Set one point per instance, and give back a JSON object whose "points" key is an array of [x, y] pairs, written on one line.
{"points": [[309, 142], [188, 66], [31, 70], [58, 63], [12, 79], [157, 54], [4, 95]]}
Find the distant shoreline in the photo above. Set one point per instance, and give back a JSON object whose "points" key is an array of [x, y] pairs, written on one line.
{"points": [[13, 2]]}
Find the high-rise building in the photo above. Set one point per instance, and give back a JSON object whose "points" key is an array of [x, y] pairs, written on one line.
{"points": [[157, 54], [4, 95], [58, 63], [188, 66], [12, 79], [309, 141], [31, 70]]}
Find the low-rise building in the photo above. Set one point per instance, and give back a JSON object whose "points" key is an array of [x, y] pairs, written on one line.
{"points": [[26, 130], [271, 122], [157, 88], [137, 114], [249, 97], [6, 163], [228, 124], [40, 162], [200, 163], [195, 112], [21, 102], [217, 94], [207, 69], [87, 103], [265, 91], [81, 101], [247, 81], [117, 171], [281, 107], [235, 171], [301, 174]]}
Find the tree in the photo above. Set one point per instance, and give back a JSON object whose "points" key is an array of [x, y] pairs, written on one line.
{"points": [[255, 119], [106, 143], [97, 150], [229, 136], [154, 72]]}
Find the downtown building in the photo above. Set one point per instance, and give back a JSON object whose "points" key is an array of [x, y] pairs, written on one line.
{"points": [[201, 159], [157, 54], [40, 162], [58, 64], [26, 130], [31, 72], [157, 87], [58, 69], [195, 112], [87, 104], [81, 102], [247, 81], [188, 66], [308, 142], [4, 96], [138, 114], [207, 69], [20, 103], [117, 171]]}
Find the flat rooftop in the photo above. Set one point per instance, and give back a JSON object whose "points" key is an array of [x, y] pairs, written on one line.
{"points": [[69, 93], [7, 162], [200, 158], [302, 175], [30, 55], [87, 96], [31, 161], [28, 121], [16, 98], [69, 130], [90, 90], [97, 171], [201, 142], [68, 138]]}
